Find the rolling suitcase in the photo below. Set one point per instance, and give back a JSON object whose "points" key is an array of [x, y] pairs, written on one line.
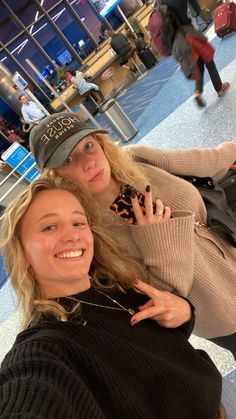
{"points": [[225, 18], [147, 57]]}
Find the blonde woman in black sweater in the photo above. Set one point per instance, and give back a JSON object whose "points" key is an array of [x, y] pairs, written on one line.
{"points": [[97, 342]]}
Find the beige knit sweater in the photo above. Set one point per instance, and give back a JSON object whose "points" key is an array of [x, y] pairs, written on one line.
{"points": [[180, 257]]}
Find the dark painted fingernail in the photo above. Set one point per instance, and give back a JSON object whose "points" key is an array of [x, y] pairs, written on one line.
{"points": [[148, 188], [133, 194]]}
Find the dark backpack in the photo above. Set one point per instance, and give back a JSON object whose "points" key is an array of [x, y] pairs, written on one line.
{"points": [[219, 199]]}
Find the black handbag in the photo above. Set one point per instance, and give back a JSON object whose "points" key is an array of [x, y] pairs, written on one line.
{"points": [[219, 199]]}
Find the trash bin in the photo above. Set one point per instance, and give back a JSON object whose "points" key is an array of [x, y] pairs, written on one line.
{"points": [[118, 120]]}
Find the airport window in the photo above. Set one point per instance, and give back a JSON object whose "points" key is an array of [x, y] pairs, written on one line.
{"points": [[72, 30], [88, 17], [8, 28], [48, 39], [25, 10], [47, 4], [23, 48]]}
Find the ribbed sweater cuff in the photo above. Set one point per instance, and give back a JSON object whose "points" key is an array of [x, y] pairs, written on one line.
{"points": [[175, 233], [168, 248]]}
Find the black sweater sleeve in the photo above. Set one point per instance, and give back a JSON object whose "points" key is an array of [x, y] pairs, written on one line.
{"points": [[37, 372]]}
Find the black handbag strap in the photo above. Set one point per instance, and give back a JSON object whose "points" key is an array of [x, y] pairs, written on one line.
{"points": [[220, 216]]}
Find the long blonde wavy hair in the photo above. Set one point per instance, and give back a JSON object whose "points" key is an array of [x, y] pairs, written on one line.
{"points": [[123, 169], [119, 273]]}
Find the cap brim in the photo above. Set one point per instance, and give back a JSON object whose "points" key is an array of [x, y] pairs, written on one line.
{"points": [[62, 152]]}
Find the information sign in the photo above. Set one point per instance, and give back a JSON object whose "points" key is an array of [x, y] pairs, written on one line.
{"points": [[14, 155], [19, 81]]}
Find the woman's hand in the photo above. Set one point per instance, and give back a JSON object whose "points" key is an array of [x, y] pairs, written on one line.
{"points": [[167, 309], [162, 213]]}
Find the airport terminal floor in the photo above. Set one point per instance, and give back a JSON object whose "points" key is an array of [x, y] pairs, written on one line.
{"points": [[171, 119]]}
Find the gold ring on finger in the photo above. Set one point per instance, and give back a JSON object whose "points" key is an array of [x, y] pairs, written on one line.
{"points": [[160, 213]]}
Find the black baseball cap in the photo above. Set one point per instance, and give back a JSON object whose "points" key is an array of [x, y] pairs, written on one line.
{"points": [[53, 139]]}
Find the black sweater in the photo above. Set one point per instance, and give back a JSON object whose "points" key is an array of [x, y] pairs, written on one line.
{"points": [[107, 369]]}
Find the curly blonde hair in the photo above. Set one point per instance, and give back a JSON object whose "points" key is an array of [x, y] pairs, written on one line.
{"points": [[31, 297]]}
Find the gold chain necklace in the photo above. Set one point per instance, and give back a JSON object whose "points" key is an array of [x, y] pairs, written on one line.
{"points": [[120, 308]]}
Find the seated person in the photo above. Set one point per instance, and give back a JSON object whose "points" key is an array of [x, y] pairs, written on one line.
{"points": [[77, 78], [97, 341]]}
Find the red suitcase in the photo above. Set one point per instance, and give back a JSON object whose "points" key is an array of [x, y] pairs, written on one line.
{"points": [[225, 18]]}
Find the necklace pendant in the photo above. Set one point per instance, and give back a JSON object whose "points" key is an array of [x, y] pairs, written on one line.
{"points": [[131, 311]]}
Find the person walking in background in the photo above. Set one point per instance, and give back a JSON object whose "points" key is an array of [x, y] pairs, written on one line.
{"points": [[153, 213], [32, 114], [200, 45], [97, 341]]}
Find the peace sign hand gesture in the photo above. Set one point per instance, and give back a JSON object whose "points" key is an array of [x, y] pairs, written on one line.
{"points": [[167, 309], [162, 213]]}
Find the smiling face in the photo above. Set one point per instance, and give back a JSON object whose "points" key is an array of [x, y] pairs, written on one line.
{"points": [[58, 242], [88, 166]]}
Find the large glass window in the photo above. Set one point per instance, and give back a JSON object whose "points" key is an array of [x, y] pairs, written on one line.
{"points": [[47, 4], [8, 29], [52, 44], [23, 48], [25, 10], [72, 31], [88, 17]]}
